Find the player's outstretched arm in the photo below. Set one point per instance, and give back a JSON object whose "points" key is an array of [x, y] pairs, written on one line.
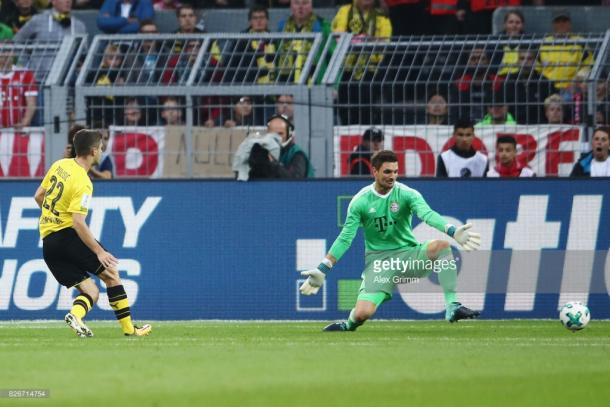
{"points": [[316, 277], [465, 238]]}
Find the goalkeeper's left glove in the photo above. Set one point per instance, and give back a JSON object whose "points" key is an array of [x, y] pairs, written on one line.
{"points": [[467, 239], [315, 278]]}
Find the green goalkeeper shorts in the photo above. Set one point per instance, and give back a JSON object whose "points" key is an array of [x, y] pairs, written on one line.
{"points": [[385, 269]]}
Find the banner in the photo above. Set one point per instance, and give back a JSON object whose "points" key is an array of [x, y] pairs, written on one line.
{"points": [[548, 150], [227, 250], [22, 152], [213, 150], [137, 151]]}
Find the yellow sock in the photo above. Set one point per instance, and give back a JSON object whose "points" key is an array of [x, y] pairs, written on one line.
{"points": [[81, 305], [120, 304]]}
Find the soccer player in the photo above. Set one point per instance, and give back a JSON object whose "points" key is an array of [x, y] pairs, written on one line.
{"points": [[69, 249], [385, 209]]}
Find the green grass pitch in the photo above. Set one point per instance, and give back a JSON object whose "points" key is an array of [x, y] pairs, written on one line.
{"points": [[408, 363]]}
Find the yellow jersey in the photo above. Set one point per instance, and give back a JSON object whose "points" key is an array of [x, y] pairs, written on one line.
{"points": [[68, 190]]}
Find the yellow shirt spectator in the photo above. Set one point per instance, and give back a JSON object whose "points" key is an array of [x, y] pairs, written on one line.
{"points": [[559, 62]]}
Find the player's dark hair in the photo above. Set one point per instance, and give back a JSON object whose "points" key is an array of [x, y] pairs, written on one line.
{"points": [[85, 140], [463, 124], [258, 8], [383, 156], [73, 130], [507, 140]]}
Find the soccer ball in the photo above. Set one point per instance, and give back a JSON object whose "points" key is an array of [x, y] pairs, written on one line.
{"points": [[574, 315]]}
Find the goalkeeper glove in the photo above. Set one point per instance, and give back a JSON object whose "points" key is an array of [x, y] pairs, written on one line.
{"points": [[315, 278], [468, 240]]}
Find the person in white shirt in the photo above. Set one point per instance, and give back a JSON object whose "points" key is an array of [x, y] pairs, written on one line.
{"points": [[462, 160], [595, 163], [507, 164]]}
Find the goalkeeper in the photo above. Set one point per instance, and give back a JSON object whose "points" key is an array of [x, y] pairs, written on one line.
{"points": [[385, 209]]}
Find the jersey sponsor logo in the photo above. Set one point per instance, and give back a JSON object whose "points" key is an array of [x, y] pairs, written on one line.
{"points": [[85, 201], [381, 223]]}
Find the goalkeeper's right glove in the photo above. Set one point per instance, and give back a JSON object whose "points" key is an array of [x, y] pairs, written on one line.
{"points": [[315, 278]]}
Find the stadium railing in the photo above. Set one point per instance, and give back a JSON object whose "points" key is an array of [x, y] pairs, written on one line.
{"points": [[52, 65], [416, 88], [206, 76]]}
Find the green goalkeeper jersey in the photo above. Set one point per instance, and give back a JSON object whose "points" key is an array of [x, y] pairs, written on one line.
{"points": [[386, 219]]}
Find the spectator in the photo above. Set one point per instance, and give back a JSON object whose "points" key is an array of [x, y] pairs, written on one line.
{"points": [[180, 62], [187, 24], [15, 13], [147, 60], [553, 109], [561, 61], [363, 21], [602, 100], [293, 162], [479, 17], [103, 111], [124, 16], [133, 115], [171, 112], [469, 90], [69, 151], [514, 23], [293, 54], [105, 169], [360, 159], [436, 110], [497, 111], [51, 25], [19, 86], [164, 5], [187, 21], [462, 160], [409, 17], [575, 98], [507, 164], [253, 60], [441, 19], [284, 106], [529, 89], [242, 114], [596, 162]]}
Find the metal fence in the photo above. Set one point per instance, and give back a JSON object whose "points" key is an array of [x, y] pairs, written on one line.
{"points": [[212, 90], [178, 105], [33, 99], [420, 86]]}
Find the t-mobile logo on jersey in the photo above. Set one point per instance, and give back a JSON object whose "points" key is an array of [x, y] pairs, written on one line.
{"points": [[381, 223]]}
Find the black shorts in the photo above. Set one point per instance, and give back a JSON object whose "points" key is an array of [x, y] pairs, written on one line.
{"points": [[68, 258]]}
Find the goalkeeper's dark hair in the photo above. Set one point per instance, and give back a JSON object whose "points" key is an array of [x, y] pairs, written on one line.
{"points": [[383, 156], [85, 140], [507, 140]]}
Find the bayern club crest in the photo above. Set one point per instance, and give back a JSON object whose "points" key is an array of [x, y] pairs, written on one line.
{"points": [[394, 207]]}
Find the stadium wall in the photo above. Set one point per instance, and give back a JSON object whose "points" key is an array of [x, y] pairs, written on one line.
{"points": [[227, 250]]}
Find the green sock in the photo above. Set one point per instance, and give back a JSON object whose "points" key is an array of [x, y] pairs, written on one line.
{"points": [[448, 275], [351, 322]]}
